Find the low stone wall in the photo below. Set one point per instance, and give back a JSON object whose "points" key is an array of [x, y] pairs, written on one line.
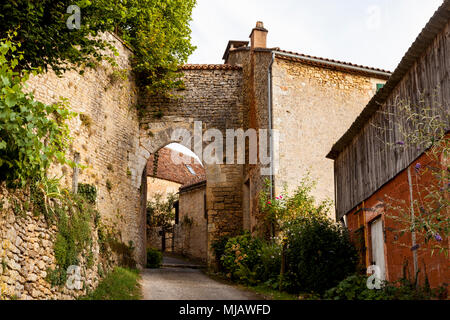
{"points": [[27, 254]]}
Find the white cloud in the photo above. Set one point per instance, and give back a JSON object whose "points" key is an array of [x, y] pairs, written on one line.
{"points": [[347, 30]]}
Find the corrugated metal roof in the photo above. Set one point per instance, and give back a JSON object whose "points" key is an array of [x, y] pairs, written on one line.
{"points": [[436, 24]]}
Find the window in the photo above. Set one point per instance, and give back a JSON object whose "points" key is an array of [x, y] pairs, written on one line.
{"points": [[190, 169], [380, 86], [176, 205]]}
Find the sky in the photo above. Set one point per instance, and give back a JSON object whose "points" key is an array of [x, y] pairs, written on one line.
{"points": [[374, 33]]}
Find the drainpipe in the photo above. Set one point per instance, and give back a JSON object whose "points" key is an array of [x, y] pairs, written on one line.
{"points": [[270, 123]]}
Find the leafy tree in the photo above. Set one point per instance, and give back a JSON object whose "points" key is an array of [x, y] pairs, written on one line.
{"points": [[157, 30], [160, 211]]}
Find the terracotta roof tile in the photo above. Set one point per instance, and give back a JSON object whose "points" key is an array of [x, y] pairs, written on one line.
{"points": [[210, 67], [164, 168], [324, 62]]}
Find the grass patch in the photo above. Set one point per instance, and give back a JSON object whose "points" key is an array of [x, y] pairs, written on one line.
{"points": [[261, 290], [120, 284], [271, 294]]}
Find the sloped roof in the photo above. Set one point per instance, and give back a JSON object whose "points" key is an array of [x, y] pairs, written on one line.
{"points": [[163, 167], [210, 67], [335, 64], [436, 24]]}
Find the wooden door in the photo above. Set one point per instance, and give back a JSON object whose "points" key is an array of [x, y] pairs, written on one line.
{"points": [[377, 235]]}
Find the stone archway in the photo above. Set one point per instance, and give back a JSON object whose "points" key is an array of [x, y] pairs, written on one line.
{"points": [[214, 97]]}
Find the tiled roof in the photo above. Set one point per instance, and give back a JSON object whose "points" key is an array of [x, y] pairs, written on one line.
{"points": [[327, 62], [210, 67], [436, 24], [193, 186], [164, 168]]}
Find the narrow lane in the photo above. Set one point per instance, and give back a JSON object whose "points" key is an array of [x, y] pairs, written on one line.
{"points": [[184, 283]]}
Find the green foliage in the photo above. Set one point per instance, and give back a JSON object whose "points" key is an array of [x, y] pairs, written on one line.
{"points": [[319, 254], [32, 135], [120, 284], [88, 192], [240, 258], [422, 125], [269, 265], [157, 30], [74, 223], [218, 246], [159, 33], [154, 258], [125, 252], [355, 288], [45, 38], [286, 207], [160, 211]]}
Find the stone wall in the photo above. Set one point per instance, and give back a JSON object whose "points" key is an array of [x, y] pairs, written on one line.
{"points": [[107, 138], [190, 237], [312, 108], [213, 95], [27, 254], [159, 186]]}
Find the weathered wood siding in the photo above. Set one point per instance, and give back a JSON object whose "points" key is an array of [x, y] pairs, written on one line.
{"points": [[368, 162]]}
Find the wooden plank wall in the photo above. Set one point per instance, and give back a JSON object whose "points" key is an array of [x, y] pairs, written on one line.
{"points": [[368, 162]]}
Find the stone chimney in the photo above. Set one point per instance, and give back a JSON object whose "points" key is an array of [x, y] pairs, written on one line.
{"points": [[259, 36]]}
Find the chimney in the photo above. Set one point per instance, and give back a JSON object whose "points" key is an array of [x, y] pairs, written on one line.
{"points": [[259, 36]]}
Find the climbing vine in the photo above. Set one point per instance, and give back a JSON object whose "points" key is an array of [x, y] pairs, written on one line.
{"points": [[33, 135]]}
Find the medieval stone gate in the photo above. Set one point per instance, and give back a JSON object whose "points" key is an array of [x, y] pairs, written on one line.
{"points": [[212, 97]]}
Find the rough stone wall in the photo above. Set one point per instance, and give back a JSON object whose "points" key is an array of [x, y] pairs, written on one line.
{"points": [[191, 231], [158, 186], [255, 66], [312, 108], [108, 142], [26, 254]]}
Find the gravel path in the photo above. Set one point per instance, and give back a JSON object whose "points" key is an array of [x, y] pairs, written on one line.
{"points": [[188, 284]]}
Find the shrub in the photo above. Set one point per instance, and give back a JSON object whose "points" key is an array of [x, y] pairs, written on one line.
{"points": [[154, 258], [319, 255], [218, 247], [269, 266], [88, 192], [355, 288], [240, 258]]}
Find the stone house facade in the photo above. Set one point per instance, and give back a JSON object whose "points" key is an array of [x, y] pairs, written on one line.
{"points": [[165, 177], [309, 101], [191, 227]]}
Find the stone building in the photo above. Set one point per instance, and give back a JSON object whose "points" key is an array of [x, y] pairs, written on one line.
{"points": [[164, 178], [309, 101], [191, 226]]}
